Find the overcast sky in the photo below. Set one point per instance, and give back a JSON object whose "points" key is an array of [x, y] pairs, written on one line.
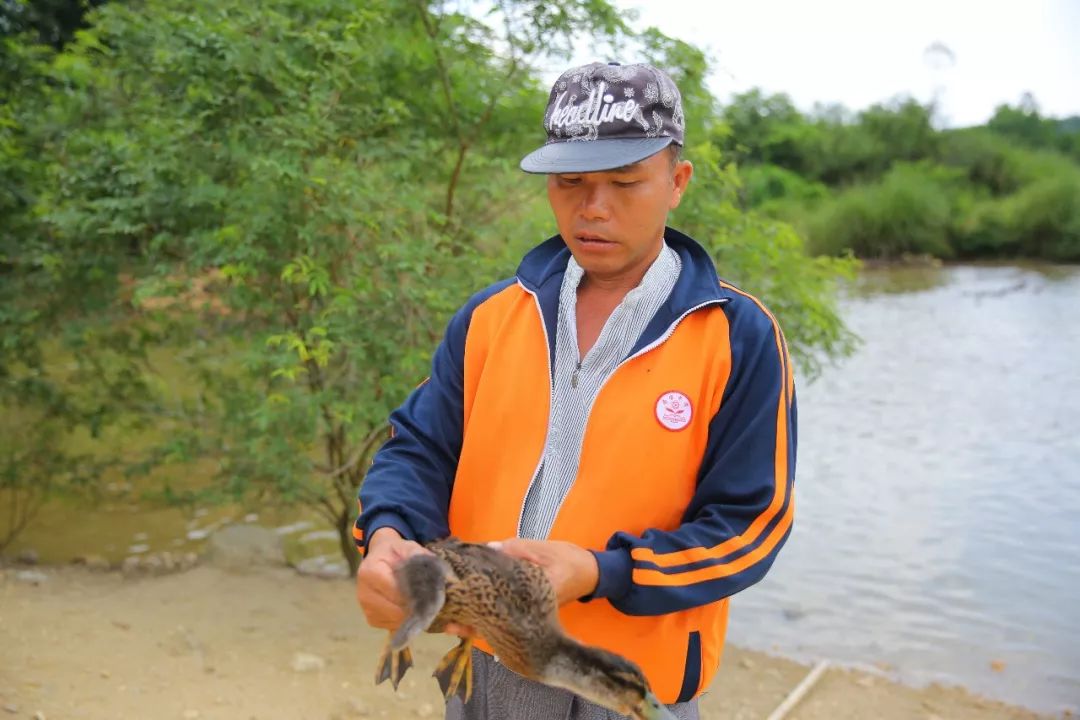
{"points": [[858, 52]]}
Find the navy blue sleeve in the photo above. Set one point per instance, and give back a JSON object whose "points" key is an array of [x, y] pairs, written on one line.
{"points": [[409, 482], [742, 511]]}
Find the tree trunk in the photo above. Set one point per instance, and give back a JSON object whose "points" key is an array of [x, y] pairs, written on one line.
{"points": [[348, 545]]}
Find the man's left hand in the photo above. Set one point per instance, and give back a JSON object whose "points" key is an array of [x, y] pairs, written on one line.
{"points": [[571, 569]]}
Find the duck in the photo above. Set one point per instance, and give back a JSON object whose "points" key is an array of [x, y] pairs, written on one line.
{"points": [[511, 604]]}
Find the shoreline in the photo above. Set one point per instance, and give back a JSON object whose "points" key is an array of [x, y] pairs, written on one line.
{"points": [[268, 642]]}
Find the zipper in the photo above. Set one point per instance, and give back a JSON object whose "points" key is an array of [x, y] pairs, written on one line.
{"points": [[667, 333], [651, 346], [551, 404]]}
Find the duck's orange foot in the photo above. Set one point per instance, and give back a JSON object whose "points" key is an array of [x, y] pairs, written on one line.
{"points": [[393, 664], [454, 672]]}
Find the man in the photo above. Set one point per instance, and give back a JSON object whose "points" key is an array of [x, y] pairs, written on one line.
{"points": [[615, 413]]}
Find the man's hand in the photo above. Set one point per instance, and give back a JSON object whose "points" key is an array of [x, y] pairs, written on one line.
{"points": [[571, 569], [376, 588]]}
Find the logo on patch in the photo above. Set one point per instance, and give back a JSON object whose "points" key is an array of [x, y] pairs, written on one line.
{"points": [[673, 410]]}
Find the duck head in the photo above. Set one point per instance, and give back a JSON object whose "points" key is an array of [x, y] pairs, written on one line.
{"points": [[606, 679]]}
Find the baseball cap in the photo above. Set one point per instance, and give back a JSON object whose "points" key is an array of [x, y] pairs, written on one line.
{"points": [[604, 116]]}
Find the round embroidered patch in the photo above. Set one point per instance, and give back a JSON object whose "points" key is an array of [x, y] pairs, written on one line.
{"points": [[673, 410]]}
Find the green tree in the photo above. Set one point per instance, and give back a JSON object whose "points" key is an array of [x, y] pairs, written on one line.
{"points": [[766, 129], [245, 226], [902, 130], [1024, 124]]}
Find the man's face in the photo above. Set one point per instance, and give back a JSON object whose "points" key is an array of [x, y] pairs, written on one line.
{"points": [[613, 221]]}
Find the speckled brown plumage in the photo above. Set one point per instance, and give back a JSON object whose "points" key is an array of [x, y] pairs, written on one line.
{"points": [[509, 602]]}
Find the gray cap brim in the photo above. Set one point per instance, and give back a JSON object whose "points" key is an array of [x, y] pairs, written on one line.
{"points": [[576, 156]]}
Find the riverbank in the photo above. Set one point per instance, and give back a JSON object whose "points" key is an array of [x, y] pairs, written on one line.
{"points": [[209, 644]]}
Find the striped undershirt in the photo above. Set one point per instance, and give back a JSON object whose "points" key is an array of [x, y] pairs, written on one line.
{"points": [[575, 385]]}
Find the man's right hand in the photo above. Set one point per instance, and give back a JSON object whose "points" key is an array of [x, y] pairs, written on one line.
{"points": [[376, 588]]}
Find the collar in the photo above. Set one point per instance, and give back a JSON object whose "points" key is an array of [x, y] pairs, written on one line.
{"points": [[697, 284], [660, 275]]}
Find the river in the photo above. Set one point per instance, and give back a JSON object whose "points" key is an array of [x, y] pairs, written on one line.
{"points": [[937, 528]]}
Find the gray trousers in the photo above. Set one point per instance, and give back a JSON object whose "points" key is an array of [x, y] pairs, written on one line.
{"points": [[501, 694]]}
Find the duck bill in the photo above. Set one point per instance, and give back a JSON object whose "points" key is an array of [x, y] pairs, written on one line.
{"points": [[652, 709]]}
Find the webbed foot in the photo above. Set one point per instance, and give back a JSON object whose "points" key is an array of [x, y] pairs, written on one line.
{"points": [[454, 672], [393, 664]]}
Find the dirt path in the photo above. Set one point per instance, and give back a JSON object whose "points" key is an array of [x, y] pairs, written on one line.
{"points": [[207, 644]]}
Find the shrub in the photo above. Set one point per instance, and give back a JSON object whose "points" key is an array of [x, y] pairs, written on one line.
{"points": [[908, 212], [1041, 220], [1045, 217], [997, 164]]}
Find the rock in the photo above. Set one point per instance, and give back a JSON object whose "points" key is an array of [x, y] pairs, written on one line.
{"points": [[34, 577], [92, 562], [322, 568], [29, 556], [131, 565], [39, 715], [11, 708], [746, 663], [241, 547], [997, 665], [152, 564], [306, 662], [157, 563], [425, 710]]}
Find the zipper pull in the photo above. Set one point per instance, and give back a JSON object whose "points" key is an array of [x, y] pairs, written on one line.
{"points": [[573, 378]]}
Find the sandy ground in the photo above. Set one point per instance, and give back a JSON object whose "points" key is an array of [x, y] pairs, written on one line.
{"points": [[269, 643]]}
